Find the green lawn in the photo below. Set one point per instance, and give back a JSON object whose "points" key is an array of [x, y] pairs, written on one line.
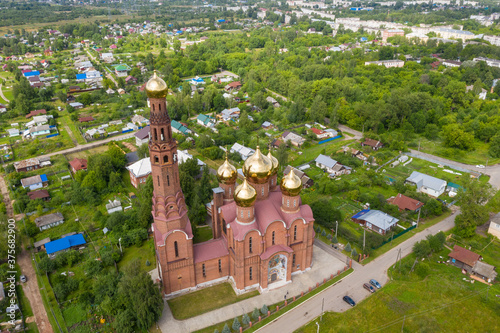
{"points": [[439, 302], [74, 314], [143, 253], [309, 154], [207, 299], [203, 234]]}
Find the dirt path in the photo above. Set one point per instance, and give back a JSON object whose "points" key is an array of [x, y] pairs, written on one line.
{"points": [[33, 293], [6, 198], [71, 135], [30, 287], [2, 95], [130, 146]]}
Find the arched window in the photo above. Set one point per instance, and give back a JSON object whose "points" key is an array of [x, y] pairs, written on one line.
{"points": [[162, 134], [165, 159], [168, 180], [176, 249], [295, 233], [157, 159], [156, 135], [153, 106], [294, 203], [159, 107], [158, 180], [262, 191], [273, 237], [250, 275], [203, 269], [293, 261], [250, 245], [288, 202]]}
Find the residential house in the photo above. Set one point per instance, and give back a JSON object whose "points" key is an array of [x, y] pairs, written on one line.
{"points": [[228, 114], [494, 228], [121, 71], [180, 128], [375, 220], [376, 145], [325, 163], [48, 52], [130, 80], [140, 120], [276, 143], [48, 221], [114, 206], [40, 245], [484, 271], [76, 105], [139, 171], [452, 63], [107, 57], [306, 181], [267, 125], [13, 132], [39, 130], [463, 258], [27, 165], [35, 182], [391, 33], [243, 151], [45, 63], [142, 136], [405, 203], [205, 121], [386, 63], [233, 86], [63, 244], [427, 184], [273, 102], [36, 113], [196, 81], [3, 108], [320, 134], [78, 164], [39, 194], [340, 169], [295, 139]]}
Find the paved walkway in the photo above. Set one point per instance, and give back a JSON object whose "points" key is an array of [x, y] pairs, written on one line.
{"points": [[325, 263], [2, 95], [351, 285]]}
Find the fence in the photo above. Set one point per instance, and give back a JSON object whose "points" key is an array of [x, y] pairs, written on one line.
{"points": [[330, 139], [397, 235], [52, 135]]}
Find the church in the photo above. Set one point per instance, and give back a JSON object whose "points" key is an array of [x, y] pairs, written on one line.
{"points": [[262, 233]]}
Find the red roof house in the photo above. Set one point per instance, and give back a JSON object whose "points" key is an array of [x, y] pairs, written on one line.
{"points": [[405, 203], [35, 113], [40, 194], [376, 145], [78, 164], [236, 85], [86, 119], [463, 258]]}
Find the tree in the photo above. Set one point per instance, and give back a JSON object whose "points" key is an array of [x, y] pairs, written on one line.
{"points": [[348, 247], [436, 242], [264, 310], [138, 293], [143, 151], [422, 249], [455, 136], [354, 253], [245, 319], [226, 329], [495, 145], [282, 155]]}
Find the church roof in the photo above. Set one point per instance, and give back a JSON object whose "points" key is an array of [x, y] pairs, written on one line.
{"points": [[211, 249], [266, 212]]}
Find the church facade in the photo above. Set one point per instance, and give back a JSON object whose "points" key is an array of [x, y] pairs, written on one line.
{"points": [[262, 233]]}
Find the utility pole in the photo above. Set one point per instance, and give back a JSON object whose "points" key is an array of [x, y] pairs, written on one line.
{"points": [[418, 145], [418, 218], [322, 307], [364, 238], [336, 227], [402, 327]]}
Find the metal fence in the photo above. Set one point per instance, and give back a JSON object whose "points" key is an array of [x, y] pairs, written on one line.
{"points": [[396, 236]]}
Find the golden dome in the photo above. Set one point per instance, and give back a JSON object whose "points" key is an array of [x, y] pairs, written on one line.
{"points": [[291, 184], [227, 172], [245, 195], [258, 167], [275, 162], [156, 87]]}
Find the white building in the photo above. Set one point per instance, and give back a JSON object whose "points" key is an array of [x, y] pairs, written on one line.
{"points": [[427, 184]]}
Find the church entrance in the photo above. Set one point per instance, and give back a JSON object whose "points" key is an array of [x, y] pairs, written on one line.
{"points": [[276, 270]]}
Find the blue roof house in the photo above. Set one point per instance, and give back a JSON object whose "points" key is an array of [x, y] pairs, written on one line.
{"points": [[64, 243]]}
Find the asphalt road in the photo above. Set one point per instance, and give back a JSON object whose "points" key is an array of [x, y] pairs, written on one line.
{"points": [[351, 285]]}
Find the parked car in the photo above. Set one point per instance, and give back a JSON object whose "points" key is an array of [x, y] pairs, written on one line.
{"points": [[368, 287], [349, 300], [480, 166], [374, 283], [23, 278]]}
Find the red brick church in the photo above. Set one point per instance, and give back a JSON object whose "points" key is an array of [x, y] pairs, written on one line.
{"points": [[262, 233]]}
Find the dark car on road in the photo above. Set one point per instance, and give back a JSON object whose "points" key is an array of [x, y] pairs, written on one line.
{"points": [[349, 300], [369, 287], [374, 283]]}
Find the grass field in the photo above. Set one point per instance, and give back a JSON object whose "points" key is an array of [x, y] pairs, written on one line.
{"points": [[439, 302], [204, 233], [143, 253], [206, 300]]}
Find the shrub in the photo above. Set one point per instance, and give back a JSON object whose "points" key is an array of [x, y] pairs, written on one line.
{"points": [[329, 237], [335, 240], [148, 263], [348, 247], [255, 314], [216, 331], [236, 324], [264, 310], [226, 329], [323, 233], [245, 319], [354, 253], [422, 270]]}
